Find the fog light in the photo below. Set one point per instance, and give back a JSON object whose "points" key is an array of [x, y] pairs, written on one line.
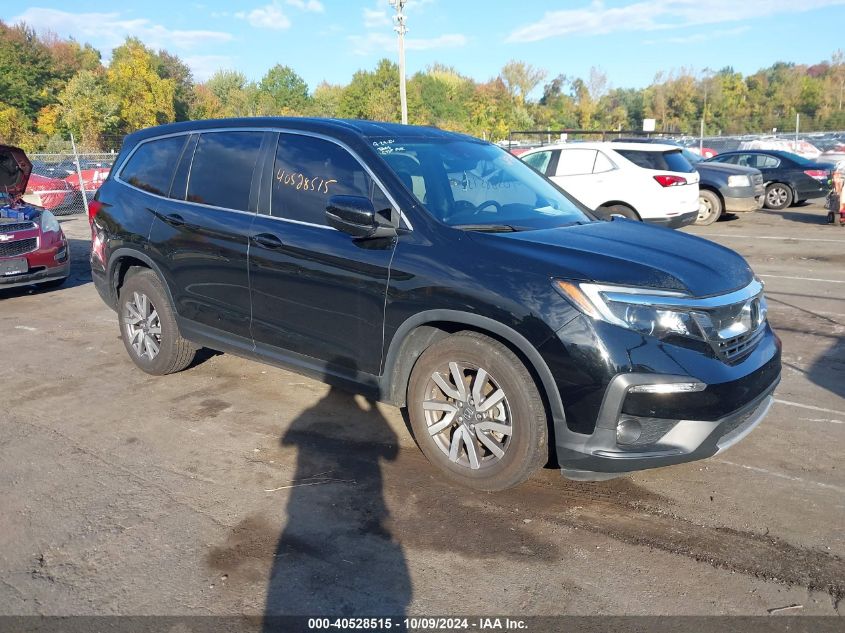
{"points": [[669, 387], [61, 255], [628, 431]]}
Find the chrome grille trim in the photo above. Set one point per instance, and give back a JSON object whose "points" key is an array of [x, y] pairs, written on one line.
{"points": [[13, 227]]}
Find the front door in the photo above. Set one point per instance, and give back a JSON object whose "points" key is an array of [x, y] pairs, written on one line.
{"points": [[316, 292]]}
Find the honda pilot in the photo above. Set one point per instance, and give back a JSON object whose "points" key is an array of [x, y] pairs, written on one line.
{"points": [[438, 273]]}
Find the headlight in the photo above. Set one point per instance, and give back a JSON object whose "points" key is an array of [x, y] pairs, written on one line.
{"points": [[621, 306], [739, 181], [49, 223]]}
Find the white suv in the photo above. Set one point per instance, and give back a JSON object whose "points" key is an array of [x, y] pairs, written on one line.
{"points": [[653, 183]]}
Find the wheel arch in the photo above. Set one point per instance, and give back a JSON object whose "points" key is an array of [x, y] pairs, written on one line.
{"points": [[713, 189], [610, 203], [425, 328], [122, 260]]}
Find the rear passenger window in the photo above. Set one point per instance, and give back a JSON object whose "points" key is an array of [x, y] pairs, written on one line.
{"points": [[151, 166], [221, 172], [574, 162], [308, 171], [672, 160]]}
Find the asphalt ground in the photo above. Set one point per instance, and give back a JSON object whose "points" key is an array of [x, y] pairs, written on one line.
{"points": [[237, 488]]}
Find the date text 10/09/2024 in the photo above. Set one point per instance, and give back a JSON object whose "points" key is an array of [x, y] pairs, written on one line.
{"points": [[419, 624]]}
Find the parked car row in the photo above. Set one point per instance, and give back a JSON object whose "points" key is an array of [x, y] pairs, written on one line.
{"points": [[56, 187]]}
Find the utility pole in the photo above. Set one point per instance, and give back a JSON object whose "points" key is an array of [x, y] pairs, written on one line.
{"points": [[401, 29]]}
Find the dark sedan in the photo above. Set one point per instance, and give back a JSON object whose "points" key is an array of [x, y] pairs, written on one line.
{"points": [[790, 179]]}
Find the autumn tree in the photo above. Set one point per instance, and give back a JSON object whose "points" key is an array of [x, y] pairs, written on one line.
{"points": [[144, 98], [521, 78], [89, 111]]}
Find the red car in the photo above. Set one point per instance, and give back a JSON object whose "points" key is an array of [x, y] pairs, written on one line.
{"points": [[91, 178], [33, 247], [49, 193]]}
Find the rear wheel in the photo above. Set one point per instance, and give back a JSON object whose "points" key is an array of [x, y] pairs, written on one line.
{"points": [[476, 413], [148, 326], [709, 207], [778, 196], [619, 209]]}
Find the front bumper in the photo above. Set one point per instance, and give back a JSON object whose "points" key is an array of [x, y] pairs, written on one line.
{"points": [[674, 221], [745, 204], [602, 456], [53, 273]]}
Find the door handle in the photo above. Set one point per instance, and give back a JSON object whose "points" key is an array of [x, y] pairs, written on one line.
{"points": [[267, 240], [175, 219]]}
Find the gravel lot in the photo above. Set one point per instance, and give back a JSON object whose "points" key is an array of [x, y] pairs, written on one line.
{"points": [[235, 487]]}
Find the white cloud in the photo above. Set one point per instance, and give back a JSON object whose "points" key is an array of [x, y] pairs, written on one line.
{"points": [[381, 42], [204, 66], [108, 30], [314, 6], [651, 15], [374, 18], [269, 16], [695, 38]]}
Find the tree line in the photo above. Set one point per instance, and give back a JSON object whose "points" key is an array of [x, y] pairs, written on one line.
{"points": [[52, 87]]}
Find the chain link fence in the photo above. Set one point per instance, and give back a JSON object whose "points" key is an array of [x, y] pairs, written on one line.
{"points": [[64, 183]]}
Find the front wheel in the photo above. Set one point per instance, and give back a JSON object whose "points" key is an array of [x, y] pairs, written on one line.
{"points": [[778, 196], [709, 208], [476, 412], [148, 326]]}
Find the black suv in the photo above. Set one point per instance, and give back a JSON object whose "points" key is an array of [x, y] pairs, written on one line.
{"points": [[436, 272]]}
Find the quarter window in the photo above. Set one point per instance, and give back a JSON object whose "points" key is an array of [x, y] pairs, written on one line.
{"points": [[307, 172], [222, 168], [603, 164], [151, 166]]}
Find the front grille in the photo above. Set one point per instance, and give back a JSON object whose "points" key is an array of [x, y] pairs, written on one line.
{"points": [[13, 227], [18, 247], [738, 347]]}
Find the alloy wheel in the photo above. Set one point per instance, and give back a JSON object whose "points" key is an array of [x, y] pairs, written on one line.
{"points": [[143, 326], [777, 196], [468, 415]]}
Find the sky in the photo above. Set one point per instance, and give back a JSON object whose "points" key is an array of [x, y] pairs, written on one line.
{"points": [[328, 40]]}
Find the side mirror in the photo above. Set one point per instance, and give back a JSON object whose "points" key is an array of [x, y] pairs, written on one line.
{"points": [[356, 216]]}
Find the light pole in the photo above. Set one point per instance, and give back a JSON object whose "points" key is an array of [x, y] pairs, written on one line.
{"points": [[401, 29], [705, 79]]}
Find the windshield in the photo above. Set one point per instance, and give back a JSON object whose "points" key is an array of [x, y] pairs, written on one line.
{"points": [[469, 184]]}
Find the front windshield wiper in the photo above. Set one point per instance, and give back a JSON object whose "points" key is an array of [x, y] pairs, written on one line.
{"points": [[487, 228]]}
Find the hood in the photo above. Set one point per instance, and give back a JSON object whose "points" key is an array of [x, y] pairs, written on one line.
{"points": [[627, 253], [15, 169], [725, 168]]}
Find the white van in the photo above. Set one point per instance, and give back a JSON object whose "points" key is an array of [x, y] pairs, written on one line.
{"points": [[649, 182]]}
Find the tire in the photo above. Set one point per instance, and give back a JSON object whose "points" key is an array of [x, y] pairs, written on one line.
{"points": [[53, 283], [618, 209], [778, 196], [797, 202], [502, 459], [709, 207], [157, 348]]}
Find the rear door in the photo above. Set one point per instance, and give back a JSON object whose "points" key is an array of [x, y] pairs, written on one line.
{"points": [[574, 173], [202, 231], [316, 292]]}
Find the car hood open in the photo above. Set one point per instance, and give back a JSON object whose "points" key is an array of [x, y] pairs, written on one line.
{"points": [[15, 169], [627, 253]]}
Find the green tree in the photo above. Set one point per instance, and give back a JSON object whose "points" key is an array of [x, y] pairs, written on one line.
{"points": [[230, 88], [89, 110], [29, 78], [169, 66], [373, 94], [287, 91]]}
